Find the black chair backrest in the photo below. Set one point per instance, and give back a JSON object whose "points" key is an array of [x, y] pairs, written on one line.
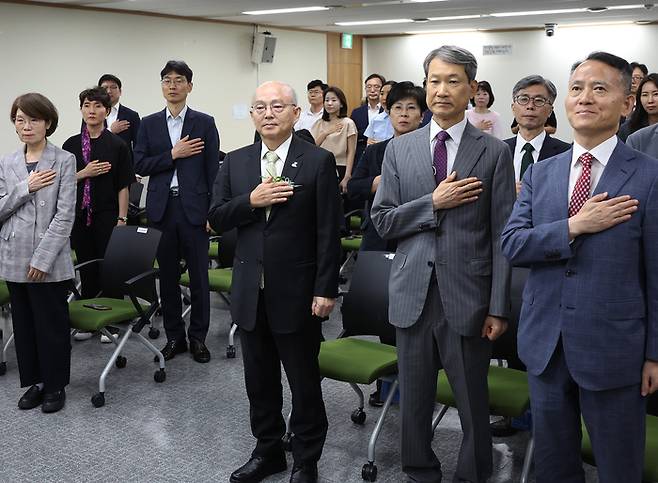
{"points": [[130, 252], [505, 346], [365, 306], [652, 404], [227, 248]]}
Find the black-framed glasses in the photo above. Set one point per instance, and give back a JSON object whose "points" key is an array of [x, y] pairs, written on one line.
{"points": [[538, 101], [177, 81], [276, 107]]}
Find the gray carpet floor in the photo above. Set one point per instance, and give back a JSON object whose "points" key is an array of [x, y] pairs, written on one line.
{"points": [[195, 425]]}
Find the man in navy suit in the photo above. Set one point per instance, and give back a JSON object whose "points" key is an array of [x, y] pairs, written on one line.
{"points": [[122, 121], [364, 113], [586, 223], [178, 148], [532, 104]]}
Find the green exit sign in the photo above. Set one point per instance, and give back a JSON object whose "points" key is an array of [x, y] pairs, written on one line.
{"points": [[346, 41]]}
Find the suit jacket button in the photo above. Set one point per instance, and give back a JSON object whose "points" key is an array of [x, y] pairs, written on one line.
{"points": [[430, 264], [42, 203], [569, 273]]}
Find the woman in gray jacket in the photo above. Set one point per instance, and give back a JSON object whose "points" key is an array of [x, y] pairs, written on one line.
{"points": [[37, 208]]}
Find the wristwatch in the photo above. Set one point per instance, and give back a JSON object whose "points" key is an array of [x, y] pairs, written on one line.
{"points": [[122, 218]]}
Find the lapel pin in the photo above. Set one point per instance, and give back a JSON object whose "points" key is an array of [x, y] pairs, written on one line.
{"points": [[294, 165]]}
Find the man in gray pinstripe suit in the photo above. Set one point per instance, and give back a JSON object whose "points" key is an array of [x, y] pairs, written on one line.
{"points": [[449, 285]]}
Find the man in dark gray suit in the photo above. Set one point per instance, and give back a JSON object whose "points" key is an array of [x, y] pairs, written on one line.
{"points": [[449, 285]]}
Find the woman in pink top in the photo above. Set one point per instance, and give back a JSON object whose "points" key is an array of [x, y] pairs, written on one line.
{"points": [[481, 116], [336, 132]]}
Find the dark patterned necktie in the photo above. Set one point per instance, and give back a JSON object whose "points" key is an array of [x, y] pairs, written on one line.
{"points": [[441, 156], [527, 159], [582, 189]]}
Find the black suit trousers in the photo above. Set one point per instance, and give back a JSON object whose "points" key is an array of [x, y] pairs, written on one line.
{"points": [[263, 352], [89, 243], [183, 241], [40, 317]]}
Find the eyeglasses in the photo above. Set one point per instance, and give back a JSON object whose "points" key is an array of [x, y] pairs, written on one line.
{"points": [[373, 87], [637, 77], [178, 81], [399, 108], [315, 93], [536, 101], [19, 121], [275, 107]]}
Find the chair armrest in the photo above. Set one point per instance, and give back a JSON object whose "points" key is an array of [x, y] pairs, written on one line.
{"points": [[88, 262], [358, 211], [143, 317]]}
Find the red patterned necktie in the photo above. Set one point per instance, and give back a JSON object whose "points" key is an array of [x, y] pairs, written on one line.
{"points": [[440, 156], [582, 189]]}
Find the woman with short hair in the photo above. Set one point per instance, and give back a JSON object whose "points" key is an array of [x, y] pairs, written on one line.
{"points": [[37, 208]]}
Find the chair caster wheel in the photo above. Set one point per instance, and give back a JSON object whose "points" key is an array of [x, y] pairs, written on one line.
{"points": [[154, 333], [369, 472], [160, 375], [3, 368], [359, 416], [121, 362], [286, 442], [98, 400], [230, 352]]}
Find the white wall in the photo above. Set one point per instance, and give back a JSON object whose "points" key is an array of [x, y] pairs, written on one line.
{"points": [[59, 52], [401, 58]]}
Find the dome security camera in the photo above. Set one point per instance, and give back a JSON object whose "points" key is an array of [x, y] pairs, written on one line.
{"points": [[549, 29]]}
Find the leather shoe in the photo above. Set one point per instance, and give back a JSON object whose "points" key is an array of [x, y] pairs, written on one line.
{"points": [[304, 474], [171, 348], [258, 468], [31, 399], [53, 401], [199, 351]]}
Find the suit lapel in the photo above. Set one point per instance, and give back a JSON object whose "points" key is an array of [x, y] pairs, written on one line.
{"points": [[469, 152], [620, 167], [422, 159], [559, 182], [47, 158], [18, 164], [253, 166], [188, 123], [293, 163], [164, 129]]}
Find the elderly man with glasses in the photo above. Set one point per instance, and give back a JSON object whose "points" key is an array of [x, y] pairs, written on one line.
{"points": [[532, 104]]}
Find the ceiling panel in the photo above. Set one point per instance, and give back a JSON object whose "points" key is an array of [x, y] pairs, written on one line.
{"points": [[368, 10]]}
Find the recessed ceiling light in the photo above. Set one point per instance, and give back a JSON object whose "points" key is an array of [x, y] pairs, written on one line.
{"points": [[626, 7], [597, 9], [538, 12], [456, 17], [284, 10], [375, 22], [643, 22], [596, 24]]}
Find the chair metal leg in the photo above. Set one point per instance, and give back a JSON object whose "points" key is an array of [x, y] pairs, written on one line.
{"points": [[439, 417], [527, 459], [6, 348], [188, 308], [359, 393], [152, 348], [230, 350], [109, 335], [380, 421], [349, 257], [225, 298], [110, 363]]}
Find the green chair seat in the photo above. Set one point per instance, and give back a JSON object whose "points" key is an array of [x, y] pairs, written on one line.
{"points": [[219, 278], [88, 319], [650, 449], [213, 250], [355, 222], [74, 257], [356, 360], [508, 391], [4, 293], [351, 243]]}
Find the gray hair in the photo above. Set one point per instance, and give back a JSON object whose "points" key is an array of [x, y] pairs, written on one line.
{"points": [[452, 54], [536, 80], [287, 87]]}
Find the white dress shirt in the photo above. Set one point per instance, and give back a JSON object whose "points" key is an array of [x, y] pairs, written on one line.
{"points": [[307, 119], [175, 128], [373, 111], [601, 154], [281, 152], [536, 143], [112, 116], [452, 144]]}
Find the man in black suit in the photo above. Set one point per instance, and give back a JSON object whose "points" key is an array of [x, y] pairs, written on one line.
{"points": [[532, 104], [178, 148], [364, 113], [282, 195], [122, 121]]}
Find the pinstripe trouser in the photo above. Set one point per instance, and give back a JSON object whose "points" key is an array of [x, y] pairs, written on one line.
{"points": [[424, 348]]}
